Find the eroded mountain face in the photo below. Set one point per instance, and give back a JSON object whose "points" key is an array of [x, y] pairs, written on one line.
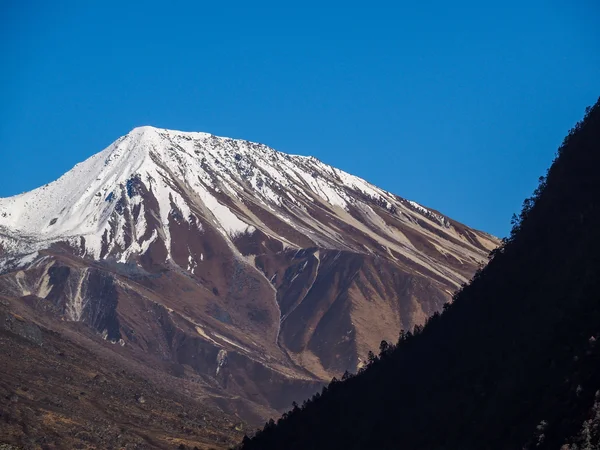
{"points": [[255, 273]]}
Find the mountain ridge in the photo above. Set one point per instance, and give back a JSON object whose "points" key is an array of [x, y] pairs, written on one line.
{"points": [[133, 151], [511, 363], [253, 275], [128, 202]]}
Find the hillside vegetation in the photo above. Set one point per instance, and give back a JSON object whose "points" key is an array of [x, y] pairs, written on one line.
{"points": [[511, 363]]}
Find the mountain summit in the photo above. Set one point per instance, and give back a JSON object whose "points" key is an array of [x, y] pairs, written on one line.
{"points": [[245, 273], [124, 199]]}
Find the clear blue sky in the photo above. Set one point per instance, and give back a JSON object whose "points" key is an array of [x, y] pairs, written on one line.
{"points": [[457, 105]]}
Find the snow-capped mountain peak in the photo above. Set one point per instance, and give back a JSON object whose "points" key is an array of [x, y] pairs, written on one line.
{"points": [[229, 258], [131, 195]]}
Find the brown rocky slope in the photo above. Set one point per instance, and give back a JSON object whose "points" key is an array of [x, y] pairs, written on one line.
{"points": [[239, 277]]}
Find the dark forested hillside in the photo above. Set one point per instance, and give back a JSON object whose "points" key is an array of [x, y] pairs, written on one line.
{"points": [[512, 363]]}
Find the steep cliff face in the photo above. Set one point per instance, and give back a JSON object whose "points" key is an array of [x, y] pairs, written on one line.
{"points": [[257, 273]]}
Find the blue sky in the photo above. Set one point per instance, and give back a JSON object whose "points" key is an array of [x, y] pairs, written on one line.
{"points": [[457, 105]]}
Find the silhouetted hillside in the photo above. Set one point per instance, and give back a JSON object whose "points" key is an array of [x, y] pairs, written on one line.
{"points": [[512, 363]]}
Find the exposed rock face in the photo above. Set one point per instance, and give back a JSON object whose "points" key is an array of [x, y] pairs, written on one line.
{"points": [[253, 272]]}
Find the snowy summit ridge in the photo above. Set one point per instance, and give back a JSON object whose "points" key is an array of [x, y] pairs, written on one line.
{"points": [[120, 201], [258, 271]]}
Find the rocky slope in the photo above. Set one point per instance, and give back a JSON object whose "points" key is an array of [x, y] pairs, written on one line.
{"points": [[65, 390], [254, 274]]}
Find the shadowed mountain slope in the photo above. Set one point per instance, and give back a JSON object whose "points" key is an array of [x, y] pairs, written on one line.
{"points": [[511, 363]]}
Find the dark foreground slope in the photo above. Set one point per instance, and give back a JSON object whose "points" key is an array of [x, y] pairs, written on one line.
{"points": [[512, 363], [65, 390]]}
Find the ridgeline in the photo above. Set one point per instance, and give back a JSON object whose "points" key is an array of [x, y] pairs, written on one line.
{"points": [[512, 363]]}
